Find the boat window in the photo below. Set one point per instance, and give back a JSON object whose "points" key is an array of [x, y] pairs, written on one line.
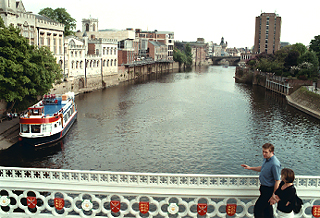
{"points": [[35, 128], [47, 128], [24, 128]]}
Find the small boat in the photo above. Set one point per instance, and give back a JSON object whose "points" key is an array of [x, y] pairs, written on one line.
{"points": [[49, 120]]}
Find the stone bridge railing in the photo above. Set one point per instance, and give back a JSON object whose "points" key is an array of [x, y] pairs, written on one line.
{"points": [[31, 192]]}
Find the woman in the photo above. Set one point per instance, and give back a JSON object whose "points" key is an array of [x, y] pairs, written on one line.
{"points": [[285, 194]]}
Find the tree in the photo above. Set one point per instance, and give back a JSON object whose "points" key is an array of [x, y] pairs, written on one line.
{"points": [[188, 52], [179, 56], [2, 23], [308, 65], [62, 16], [25, 71], [315, 46]]}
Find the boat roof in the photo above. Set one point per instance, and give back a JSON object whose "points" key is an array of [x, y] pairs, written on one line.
{"points": [[51, 109]]}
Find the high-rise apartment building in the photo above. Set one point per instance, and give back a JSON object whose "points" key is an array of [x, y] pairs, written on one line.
{"points": [[267, 33]]}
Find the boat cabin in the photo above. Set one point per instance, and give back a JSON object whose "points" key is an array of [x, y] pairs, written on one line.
{"points": [[36, 111]]}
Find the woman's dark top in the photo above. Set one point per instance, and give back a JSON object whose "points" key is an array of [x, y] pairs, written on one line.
{"points": [[286, 195]]}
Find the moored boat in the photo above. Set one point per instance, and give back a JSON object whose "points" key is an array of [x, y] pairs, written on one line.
{"points": [[49, 120]]}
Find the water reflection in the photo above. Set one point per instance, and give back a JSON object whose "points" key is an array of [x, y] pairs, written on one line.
{"points": [[189, 122]]}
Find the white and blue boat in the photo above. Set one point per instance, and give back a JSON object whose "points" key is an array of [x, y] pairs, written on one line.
{"points": [[49, 120]]}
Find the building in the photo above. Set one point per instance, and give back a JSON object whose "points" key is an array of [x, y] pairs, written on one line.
{"points": [[164, 37], [199, 50], [267, 33], [90, 27], [39, 30], [157, 51], [127, 51]]}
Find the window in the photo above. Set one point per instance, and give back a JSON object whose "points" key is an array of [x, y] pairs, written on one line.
{"points": [[24, 128], [35, 128]]}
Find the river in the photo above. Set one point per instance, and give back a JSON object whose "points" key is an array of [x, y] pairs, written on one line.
{"points": [[198, 122]]}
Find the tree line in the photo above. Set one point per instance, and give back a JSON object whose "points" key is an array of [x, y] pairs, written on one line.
{"points": [[293, 61]]}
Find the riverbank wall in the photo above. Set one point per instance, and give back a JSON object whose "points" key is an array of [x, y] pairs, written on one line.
{"points": [[125, 73], [305, 101], [295, 91]]}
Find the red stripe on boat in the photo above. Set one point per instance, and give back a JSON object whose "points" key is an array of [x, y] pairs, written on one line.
{"points": [[38, 120]]}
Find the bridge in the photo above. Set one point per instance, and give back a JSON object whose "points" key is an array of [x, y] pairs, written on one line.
{"points": [[36, 192], [233, 60]]}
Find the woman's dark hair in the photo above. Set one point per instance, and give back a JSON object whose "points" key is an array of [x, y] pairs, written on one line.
{"points": [[288, 174]]}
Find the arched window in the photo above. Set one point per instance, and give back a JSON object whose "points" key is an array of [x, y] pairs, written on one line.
{"points": [[61, 64]]}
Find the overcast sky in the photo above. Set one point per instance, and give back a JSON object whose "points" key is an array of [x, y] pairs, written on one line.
{"points": [[189, 20]]}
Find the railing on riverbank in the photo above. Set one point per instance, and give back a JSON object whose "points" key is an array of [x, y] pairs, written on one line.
{"points": [[27, 192]]}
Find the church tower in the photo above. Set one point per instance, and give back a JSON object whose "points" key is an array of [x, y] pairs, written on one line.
{"points": [[90, 25]]}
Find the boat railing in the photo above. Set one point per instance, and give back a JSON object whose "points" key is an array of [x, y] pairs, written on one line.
{"points": [[36, 192]]}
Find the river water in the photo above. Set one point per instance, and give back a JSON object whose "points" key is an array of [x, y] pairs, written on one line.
{"points": [[198, 122]]}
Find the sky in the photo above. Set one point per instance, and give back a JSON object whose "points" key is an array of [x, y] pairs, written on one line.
{"points": [[233, 19]]}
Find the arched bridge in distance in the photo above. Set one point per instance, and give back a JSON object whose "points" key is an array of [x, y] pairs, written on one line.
{"points": [[233, 60]]}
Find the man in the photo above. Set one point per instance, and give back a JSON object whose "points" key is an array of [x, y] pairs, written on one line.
{"points": [[270, 173]]}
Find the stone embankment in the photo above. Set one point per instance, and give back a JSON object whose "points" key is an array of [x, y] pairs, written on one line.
{"points": [[306, 101]]}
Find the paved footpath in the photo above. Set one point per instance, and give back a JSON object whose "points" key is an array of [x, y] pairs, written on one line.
{"points": [[9, 133]]}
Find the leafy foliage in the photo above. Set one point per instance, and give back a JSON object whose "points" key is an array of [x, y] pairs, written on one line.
{"points": [[315, 46], [188, 55], [293, 60], [183, 57], [179, 56], [25, 71], [62, 16]]}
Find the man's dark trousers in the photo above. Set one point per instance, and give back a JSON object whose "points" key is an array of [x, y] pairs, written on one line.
{"points": [[262, 208]]}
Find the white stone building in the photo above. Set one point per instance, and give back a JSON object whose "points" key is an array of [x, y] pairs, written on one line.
{"points": [[86, 57], [39, 30], [91, 28]]}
